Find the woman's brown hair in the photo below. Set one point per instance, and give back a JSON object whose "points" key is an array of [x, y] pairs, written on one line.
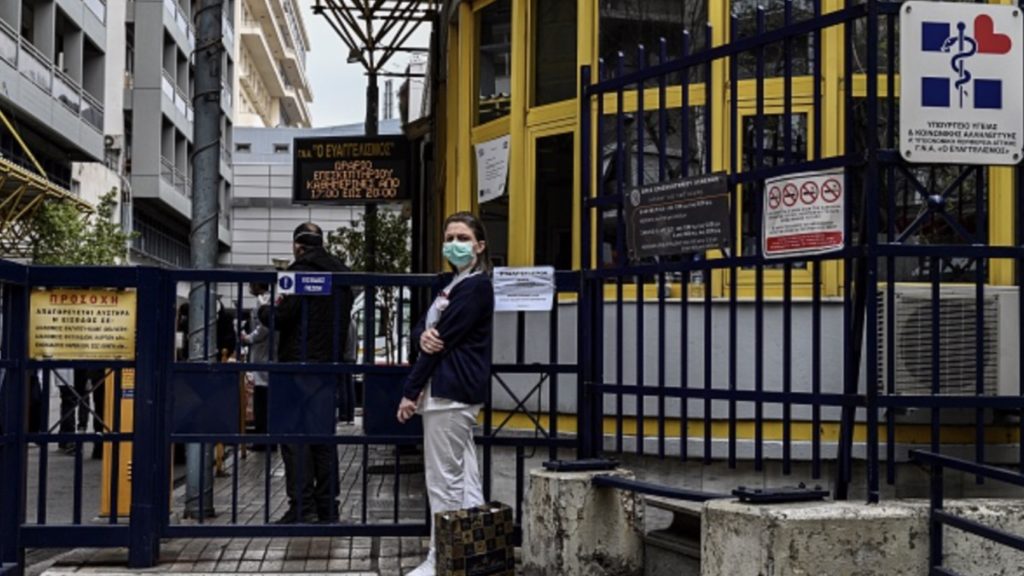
{"points": [[483, 260]]}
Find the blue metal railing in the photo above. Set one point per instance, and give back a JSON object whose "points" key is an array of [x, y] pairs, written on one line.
{"points": [[726, 351], [161, 419], [940, 518]]}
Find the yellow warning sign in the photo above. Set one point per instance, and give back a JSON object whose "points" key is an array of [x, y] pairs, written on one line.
{"points": [[82, 324]]}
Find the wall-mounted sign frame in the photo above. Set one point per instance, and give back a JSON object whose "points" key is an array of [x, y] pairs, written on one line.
{"points": [[351, 170]]}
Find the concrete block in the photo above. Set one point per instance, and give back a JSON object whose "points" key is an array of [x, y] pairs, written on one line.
{"points": [[969, 554], [802, 539], [853, 538], [571, 528]]}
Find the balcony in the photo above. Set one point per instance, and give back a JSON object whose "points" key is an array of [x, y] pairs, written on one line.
{"points": [[68, 93], [97, 7], [181, 101], [35, 66], [175, 177], [40, 71], [92, 111], [167, 85], [181, 20], [8, 44], [228, 32], [226, 98]]}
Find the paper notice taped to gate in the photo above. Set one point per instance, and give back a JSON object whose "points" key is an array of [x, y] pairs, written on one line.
{"points": [[803, 214], [524, 289], [81, 324]]}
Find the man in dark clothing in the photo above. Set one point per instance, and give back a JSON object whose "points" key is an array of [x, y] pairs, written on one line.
{"points": [[319, 462]]}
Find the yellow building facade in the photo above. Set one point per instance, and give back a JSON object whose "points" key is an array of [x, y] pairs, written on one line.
{"points": [[513, 70]]}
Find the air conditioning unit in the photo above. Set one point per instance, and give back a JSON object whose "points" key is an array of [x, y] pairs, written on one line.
{"points": [[913, 344], [113, 141]]}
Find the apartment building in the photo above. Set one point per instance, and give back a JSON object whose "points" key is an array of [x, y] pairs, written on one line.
{"points": [[154, 40], [53, 56], [271, 83]]}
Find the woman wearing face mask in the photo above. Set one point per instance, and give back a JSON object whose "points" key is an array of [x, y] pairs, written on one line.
{"points": [[448, 383]]}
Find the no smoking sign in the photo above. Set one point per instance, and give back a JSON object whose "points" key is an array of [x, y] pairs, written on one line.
{"points": [[805, 215]]}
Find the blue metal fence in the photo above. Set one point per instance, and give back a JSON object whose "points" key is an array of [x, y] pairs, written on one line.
{"points": [[940, 518], [177, 401], [721, 358]]}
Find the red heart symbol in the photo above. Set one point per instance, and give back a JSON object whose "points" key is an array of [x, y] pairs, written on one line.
{"points": [[988, 41]]}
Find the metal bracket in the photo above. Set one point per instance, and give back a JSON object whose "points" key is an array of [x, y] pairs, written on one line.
{"points": [[590, 465], [780, 495]]}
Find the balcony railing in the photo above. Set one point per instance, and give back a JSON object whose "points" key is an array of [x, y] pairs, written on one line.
{"points": [[92, 111], [228, 32], [167, 170], [156, 244], [182, 22], [175, 176], [69, 94], [8, 43], [181, 102], [99, 8], [179, 182], [225, 96], [167, 85], [35, 66]]}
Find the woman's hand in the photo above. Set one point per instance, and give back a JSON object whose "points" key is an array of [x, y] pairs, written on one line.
{"points": [[430, 342], [406, 410]]}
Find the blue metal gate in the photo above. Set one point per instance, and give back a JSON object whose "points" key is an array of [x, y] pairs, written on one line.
{"points": [[708, 368], [705, 364], [178, 402]]}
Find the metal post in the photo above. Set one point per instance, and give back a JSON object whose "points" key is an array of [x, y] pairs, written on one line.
{"points": [[147, 449], [202, 342], [12, 497], [370, 298]]}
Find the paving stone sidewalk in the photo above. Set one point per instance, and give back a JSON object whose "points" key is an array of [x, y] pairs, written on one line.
{"points": [[383, 556]]}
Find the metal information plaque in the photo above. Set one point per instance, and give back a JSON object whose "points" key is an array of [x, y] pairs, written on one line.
{"points": [[679, 217], [345, 170]]}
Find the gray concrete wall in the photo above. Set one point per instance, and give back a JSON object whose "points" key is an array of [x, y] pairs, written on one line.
{"points": [[889, 539]]}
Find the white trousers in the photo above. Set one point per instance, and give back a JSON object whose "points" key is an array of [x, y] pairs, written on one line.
{"points": [[450, 466]]}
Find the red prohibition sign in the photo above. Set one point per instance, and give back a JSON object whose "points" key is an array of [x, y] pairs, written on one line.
{"points": [[809, 192], [831, 190], [774, 198], [790, 195]]}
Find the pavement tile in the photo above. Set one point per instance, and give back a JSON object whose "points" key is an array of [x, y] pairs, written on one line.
{"points": [[272, 566], [335, 565], [313, 565], [227, 566], [274, 554], [249, 566], [361, 564]]}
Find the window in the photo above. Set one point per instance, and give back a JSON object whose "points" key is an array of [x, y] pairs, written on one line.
{"points": [[625, 24], [908, 212], [553, 189], [494, 215], [554, 61], [243, 147], [693, 143], [773, 152], [800, 48], [494, 61], [281, 148]]}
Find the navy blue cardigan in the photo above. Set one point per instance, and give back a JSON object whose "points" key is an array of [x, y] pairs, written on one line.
{"points": [[462, 371]]}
